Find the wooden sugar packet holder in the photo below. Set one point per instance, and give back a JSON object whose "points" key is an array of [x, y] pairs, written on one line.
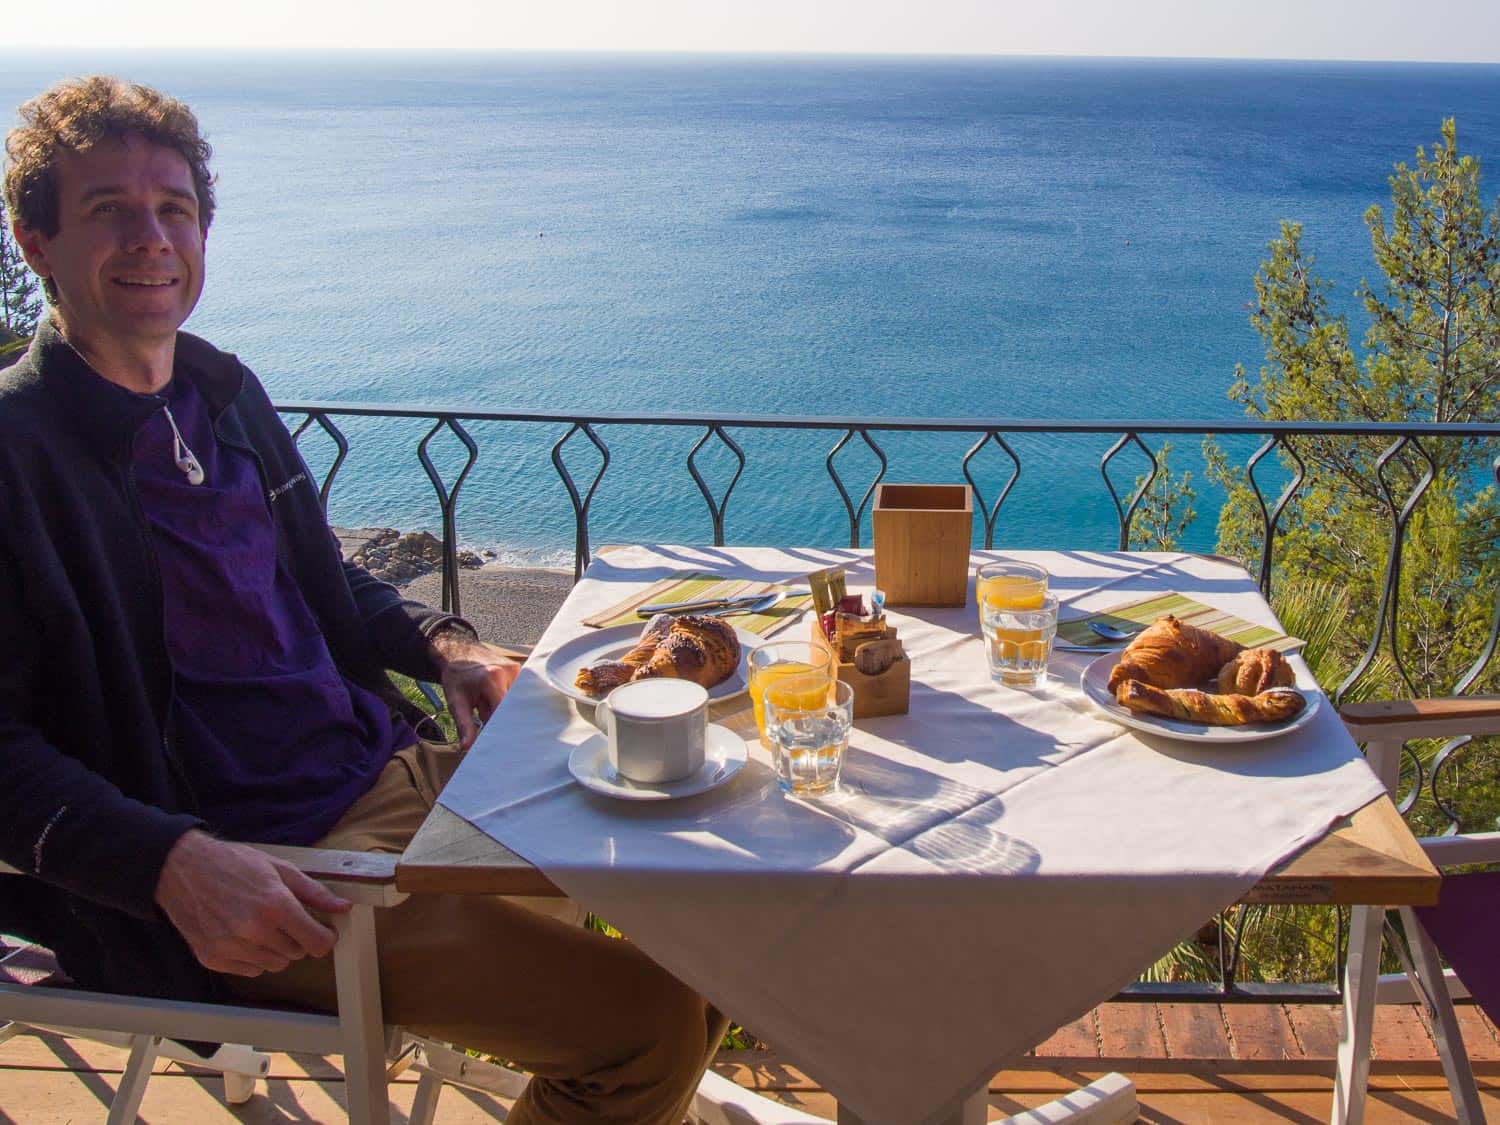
{"points": [[887, 692]]}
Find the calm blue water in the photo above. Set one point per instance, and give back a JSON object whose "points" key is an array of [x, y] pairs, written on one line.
{"points": [[938, 238]]}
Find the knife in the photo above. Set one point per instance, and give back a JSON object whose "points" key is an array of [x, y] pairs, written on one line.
{"points": [[701, 603]]}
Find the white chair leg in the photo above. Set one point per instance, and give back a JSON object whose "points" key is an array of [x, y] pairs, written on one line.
{"points": [[127, 1099], [1445, 1032], [238, 1088], [361, 1027], [1361, 975], [424, 1105]]}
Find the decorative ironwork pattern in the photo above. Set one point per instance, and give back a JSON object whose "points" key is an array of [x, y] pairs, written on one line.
{"points": [[716, 509], [992, 512], [339, 440], [1406, 438], [582, 555], [1466, 681], [1127, 514], [1391, 590], [448, 502], [856, 515], [1269, 520]]}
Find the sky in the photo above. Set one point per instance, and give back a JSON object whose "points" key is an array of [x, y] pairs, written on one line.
{"points": [[1429, 30]]}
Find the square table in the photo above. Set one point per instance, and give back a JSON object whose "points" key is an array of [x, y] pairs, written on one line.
{"points": [[1003, 861]]}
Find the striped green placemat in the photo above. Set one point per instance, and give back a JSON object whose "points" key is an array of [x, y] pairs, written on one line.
{"points": [[1188, 610], [692, 585]]}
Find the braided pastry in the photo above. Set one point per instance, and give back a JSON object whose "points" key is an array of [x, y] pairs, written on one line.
{"points": [[1193, 706], [1254, 670], [1170, 654]]}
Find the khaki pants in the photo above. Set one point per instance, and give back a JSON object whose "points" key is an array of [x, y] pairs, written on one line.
{"points": [[606, 1033]]}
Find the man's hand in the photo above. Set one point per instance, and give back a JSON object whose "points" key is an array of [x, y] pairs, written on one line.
{"points": [[476, 677], [240, 910]]}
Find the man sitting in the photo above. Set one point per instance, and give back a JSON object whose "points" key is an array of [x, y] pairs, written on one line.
{"points": [[190, 666]]}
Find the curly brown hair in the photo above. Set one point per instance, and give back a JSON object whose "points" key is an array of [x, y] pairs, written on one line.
{"points": [[79, 113]]}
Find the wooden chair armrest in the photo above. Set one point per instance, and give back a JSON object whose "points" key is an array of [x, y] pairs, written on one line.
{"points": [[366, 877], [346, 867], [1423, 718]]}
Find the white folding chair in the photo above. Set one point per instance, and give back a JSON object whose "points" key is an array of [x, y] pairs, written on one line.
{"points": [[373, 1052], [1384, 728]]}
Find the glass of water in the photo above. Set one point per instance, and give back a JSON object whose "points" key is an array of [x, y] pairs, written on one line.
{"points": [[808, 743], [1018, 642]]}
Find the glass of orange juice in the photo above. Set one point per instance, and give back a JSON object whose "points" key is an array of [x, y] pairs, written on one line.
{"points": [[803, 674], [1009, 584]]}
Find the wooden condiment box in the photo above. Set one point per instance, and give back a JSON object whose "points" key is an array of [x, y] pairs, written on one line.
{"points": [[922, 536], [886, 694]]}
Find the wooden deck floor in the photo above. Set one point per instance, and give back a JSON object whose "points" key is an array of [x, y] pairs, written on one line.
{"points": [[1190, 1063]]}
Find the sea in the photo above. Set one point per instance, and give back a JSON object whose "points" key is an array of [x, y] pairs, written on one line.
{"points": [[855, 237]]}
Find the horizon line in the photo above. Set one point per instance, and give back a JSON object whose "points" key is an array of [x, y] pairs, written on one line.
{"points": [[708, 52]]}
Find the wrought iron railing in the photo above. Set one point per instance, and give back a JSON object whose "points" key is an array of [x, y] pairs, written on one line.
{"points": [[1408, 441]]}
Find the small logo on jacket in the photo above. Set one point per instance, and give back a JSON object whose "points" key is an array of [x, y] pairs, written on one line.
{"points": [[279, 489]]}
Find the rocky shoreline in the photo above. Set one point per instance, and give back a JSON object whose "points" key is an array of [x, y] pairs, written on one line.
{"points": [[401, 557]]}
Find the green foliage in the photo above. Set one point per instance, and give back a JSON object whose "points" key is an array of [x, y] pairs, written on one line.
{"points": [[1431, 354], [1166, 508], [1319, 611], [415, 696], [20, 303]]}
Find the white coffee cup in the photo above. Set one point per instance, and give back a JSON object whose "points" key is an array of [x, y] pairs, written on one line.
{"points": [[656, 729]]}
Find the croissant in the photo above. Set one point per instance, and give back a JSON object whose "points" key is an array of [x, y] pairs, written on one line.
{"points": [[698, 648], [1205, 707], [1253, 671], [1169, 654], [702, 649], [603, 676]]}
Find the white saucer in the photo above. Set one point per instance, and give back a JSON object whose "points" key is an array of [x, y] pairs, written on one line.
{"points": [[724, 755]]}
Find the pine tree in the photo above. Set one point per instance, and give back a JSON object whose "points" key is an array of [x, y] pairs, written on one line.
{"points": [[1431, 354], [20, 300]]}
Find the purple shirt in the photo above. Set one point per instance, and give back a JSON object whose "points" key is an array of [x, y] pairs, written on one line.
{"points": [[276, 743]]}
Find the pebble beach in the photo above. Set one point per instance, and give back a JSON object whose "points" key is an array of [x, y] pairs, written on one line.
{"points": [[507, 605]]}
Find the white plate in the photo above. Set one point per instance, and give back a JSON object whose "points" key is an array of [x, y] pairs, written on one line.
{"points": [[561, 667], [1095, 681], [724, 755]]}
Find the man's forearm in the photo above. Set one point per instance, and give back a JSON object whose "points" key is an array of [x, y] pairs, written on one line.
{"points": [[68, 826]]}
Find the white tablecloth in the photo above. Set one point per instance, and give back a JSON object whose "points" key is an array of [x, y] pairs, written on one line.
{"points": [[1000, 862]]}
